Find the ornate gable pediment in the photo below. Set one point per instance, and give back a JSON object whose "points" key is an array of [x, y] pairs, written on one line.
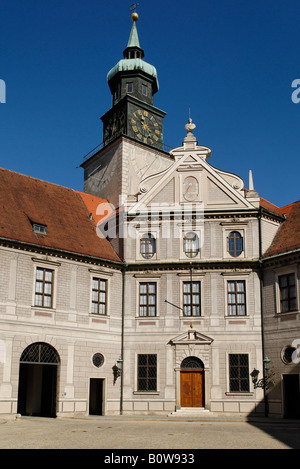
{"points": [[190, 179], [191, 337]]}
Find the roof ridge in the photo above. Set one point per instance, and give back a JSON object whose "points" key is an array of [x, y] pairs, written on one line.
{"points": [[36, 179]]}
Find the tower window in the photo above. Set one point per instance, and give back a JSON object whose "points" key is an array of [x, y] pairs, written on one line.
{"points": [[145, 90], [129, 87]]}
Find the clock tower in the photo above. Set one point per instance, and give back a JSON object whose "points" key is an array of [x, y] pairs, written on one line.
{"points": [[133, 83]]}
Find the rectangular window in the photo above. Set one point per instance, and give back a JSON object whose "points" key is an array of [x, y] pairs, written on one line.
{"points": [[191, 298], [147, 299], [239, 372], [44, 287], [99, 296], [236, 297], [287, 289], [129, 87], [145, 90], [42, 229], [147, 373]]}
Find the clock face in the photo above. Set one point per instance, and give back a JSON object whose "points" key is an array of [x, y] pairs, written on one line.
{"points": [[145, 126], [115, 125]]}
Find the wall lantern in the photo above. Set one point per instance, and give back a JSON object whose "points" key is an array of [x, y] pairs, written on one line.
{"points": [[117, 369], [265, 382]]}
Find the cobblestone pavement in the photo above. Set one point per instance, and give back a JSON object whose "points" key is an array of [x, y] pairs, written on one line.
{"points": [[146, 433]]}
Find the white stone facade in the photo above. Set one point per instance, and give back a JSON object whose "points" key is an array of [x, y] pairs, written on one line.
{"points": [[180, 194], [69, 327]]}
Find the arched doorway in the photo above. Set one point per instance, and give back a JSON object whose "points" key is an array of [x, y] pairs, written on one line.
{"points": [[192, 382], [38, 380]]}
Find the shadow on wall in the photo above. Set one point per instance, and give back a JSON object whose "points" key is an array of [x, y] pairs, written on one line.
{"points": [[282, 419]]}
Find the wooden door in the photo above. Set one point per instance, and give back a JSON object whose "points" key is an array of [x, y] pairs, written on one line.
{"points": [[191, 388]]}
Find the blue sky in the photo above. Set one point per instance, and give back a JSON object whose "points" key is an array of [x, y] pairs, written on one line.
{"points": [[233, 62]]}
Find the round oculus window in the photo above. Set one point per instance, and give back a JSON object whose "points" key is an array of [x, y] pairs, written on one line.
{"points": [[98, 359]]}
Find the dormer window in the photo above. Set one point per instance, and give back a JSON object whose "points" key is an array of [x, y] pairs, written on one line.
{"points": [[41, 229]]}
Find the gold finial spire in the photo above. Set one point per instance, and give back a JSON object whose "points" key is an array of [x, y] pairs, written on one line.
{"points": [[134, 15]]}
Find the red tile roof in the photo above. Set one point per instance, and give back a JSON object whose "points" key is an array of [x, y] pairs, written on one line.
{"points": [[25, 200], [287, 237], [269, 206]]}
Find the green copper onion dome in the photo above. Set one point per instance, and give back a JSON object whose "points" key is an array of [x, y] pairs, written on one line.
{"points": [[133, 58]]}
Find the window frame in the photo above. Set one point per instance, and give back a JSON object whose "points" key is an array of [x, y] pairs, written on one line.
{"points": [[128, 86], [147, 378], [146, 89], [279, 272], [148, 239], [44, 282], [39, 229], [147, 305], [242, 228], [99, 279], [288, 288], [235, 253], [241, 369], [191, 293], [236, 292], [196, 240]]}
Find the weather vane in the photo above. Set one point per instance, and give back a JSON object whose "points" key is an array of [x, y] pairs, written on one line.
{"points": [[134, 6]]}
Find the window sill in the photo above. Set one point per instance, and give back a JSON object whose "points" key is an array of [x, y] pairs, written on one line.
{"points": [[146, 318], [242, 393], [287, 313], [43, 308], [144, 393], [95, 315]]}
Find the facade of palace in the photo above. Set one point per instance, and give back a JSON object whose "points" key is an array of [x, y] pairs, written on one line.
{"points": [[165, 287]]}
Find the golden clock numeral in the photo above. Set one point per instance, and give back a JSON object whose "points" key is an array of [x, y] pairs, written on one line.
{"points": [[133, 121], [146, 113], [139, 112], [155, 137], [151, 141], [157, 132], [139, 135], [135, 129], [156, 124], [145, 139]]}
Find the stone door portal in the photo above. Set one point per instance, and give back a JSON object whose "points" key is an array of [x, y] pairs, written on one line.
{"points": [[192, 383]]}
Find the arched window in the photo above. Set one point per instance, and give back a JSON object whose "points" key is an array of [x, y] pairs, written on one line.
{"points": [[192, 362], [191, 244], [39, 352], [148, 246], [235, 243]]}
